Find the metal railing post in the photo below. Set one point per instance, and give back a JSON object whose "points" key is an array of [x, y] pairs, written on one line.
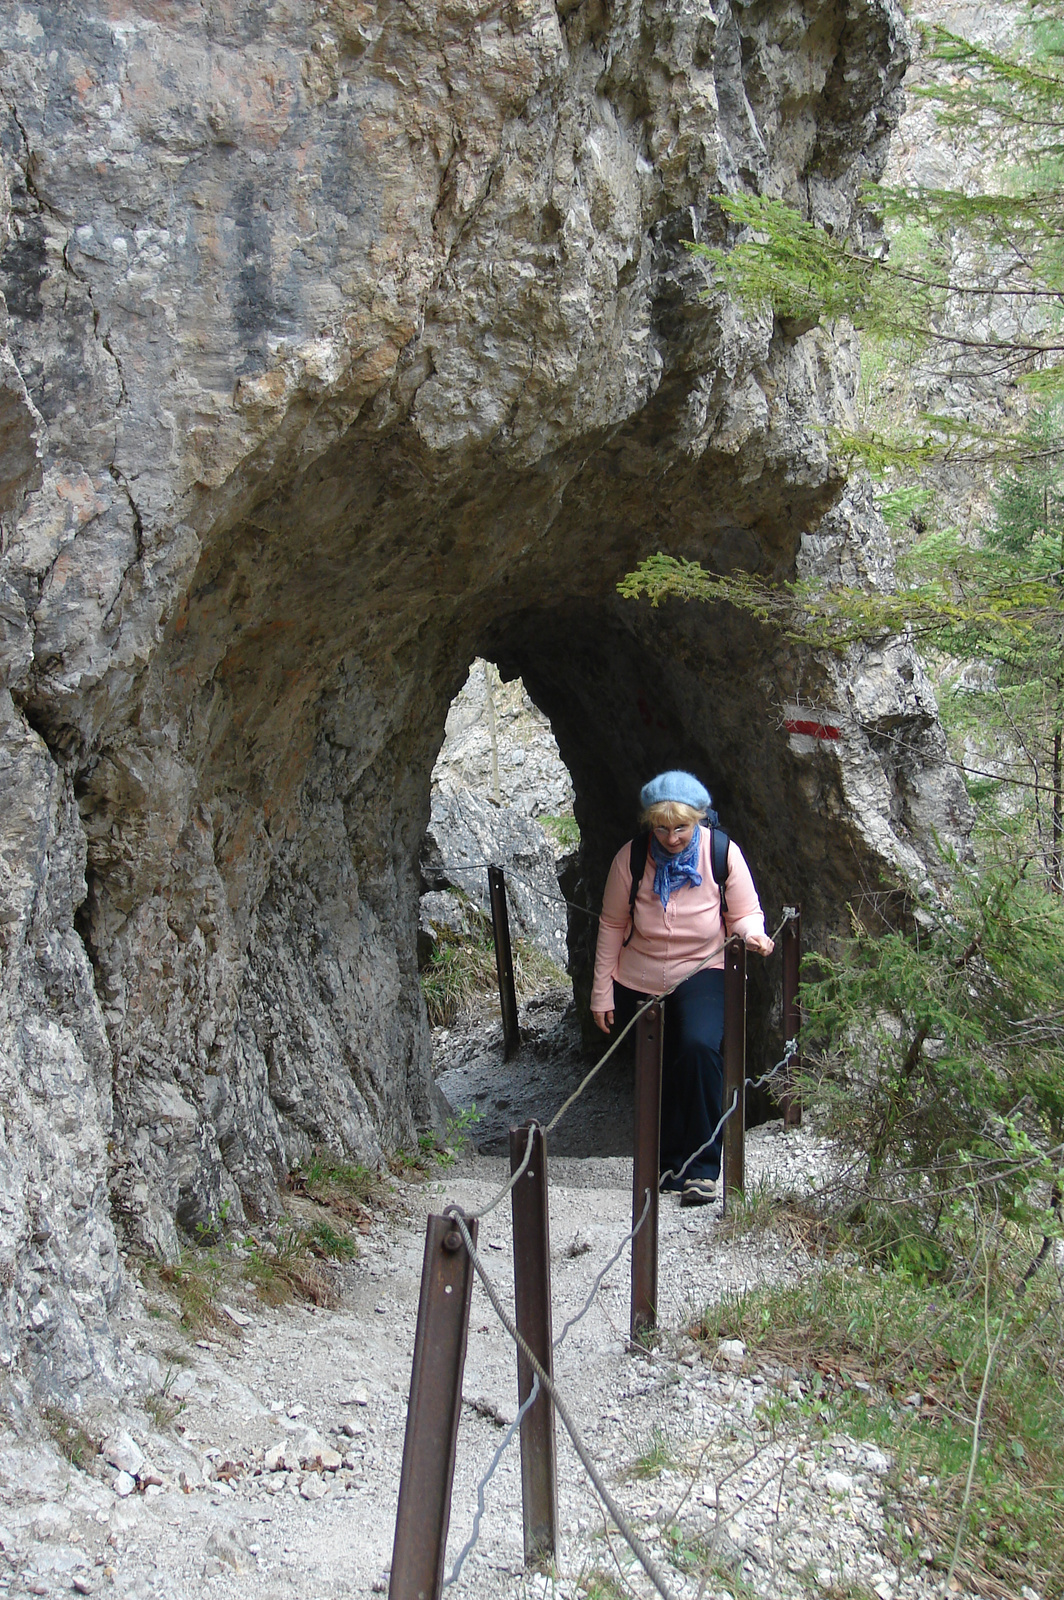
{"points": [[424, 1509], [504, 961], [649, 1037], [792, 1015], [539, 1460], [734, 1052]]}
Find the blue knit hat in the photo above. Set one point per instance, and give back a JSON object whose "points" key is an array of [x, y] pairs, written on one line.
{"points": [[680, 787]]}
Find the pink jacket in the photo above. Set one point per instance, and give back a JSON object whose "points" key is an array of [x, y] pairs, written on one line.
{"points": [[668, 945]]}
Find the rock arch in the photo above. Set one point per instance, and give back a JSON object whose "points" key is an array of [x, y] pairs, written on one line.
{"points": [[343, 343]]}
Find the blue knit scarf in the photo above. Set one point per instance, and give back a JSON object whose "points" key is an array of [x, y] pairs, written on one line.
{"points": [[672, 872]]}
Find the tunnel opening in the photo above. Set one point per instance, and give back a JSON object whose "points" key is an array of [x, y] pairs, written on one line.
{"points": [[255, 808], [630, 692], [622, 706], [500, 796], [255, 832]]}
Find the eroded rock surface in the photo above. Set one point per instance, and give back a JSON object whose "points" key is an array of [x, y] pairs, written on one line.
{"points": [[497, 743], [344, 342], [466, 835]]}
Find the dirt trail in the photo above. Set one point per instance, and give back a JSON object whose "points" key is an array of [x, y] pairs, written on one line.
{"points": [[714, 1460]]}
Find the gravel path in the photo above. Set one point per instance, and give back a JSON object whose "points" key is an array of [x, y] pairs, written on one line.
{"points": [[225, 1505]]}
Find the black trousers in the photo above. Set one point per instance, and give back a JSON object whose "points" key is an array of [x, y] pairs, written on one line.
{"points": [[692, 1071]]}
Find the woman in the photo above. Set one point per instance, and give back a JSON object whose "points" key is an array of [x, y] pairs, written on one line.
{"points": [[676, 936]]}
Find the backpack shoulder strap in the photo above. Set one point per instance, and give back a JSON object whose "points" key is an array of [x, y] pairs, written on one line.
{"points": [[637, 860], [718, 855]]}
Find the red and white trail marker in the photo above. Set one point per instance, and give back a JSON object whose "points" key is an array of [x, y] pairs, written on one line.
{"points": [[809, 728]]}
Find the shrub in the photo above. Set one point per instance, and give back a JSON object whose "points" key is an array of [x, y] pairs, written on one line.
{"points": [[940, 1065]]}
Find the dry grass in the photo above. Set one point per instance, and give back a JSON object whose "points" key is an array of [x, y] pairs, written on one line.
{"points": [[461, 979], [195, 1282], [347, 1189], [79, 1447], [900, 1362]]}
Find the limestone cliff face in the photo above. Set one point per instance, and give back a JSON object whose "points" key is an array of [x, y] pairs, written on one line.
{"points": [[345, 341]]}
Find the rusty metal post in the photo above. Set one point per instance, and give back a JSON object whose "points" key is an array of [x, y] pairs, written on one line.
{"points": [[539, 1458], [734, 1052], [792, 1016], [504, 961], [649, 1037], [424, 1508]]}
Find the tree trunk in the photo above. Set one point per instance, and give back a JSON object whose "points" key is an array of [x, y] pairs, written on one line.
{"points": [[1056, 876]]}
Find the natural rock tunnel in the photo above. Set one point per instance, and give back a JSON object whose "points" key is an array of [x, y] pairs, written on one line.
{"points": [[253, 862], [344, 343]]}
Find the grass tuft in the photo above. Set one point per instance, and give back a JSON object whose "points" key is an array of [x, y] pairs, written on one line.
{"points": [[461, 977], [288, 1266], [291, 1262], [348, 1189], [70, 1437], [164, 1406], [195, 1280], [688, 1552], [597, 1584], [564, 830], [658, 1457]]}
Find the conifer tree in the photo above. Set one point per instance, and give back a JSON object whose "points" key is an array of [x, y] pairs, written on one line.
{"points": [[976, 279]]}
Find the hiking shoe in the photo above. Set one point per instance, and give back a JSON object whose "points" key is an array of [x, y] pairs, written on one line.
{"points": [[699, 1192]]}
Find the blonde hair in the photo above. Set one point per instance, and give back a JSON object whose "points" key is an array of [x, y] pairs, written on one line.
{"points": [[670, 814]]}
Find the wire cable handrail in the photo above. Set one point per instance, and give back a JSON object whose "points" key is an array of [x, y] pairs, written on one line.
{"points": [[533, 1395], [628, 1533], [482, 1486], [542, 1381], [560, 899], [789, 913], [616, 1256]]}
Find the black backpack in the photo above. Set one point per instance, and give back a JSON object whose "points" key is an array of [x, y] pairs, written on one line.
{"points": [[718, 857]]}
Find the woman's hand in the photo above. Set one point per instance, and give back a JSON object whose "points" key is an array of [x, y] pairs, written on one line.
{"points": [[761, 943], [603, 1020]]}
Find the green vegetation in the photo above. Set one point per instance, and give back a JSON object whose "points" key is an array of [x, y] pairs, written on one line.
{"points": [[347, 1189], [1003, 687], [656, 1458], [461, 977], [973, 278], [457, 1136], [458, 1133], [597, 1584], [163, 1406], [942, 1054], [288, 1261], [288, 1267], [936, 1063], [939, 1073], [70, 1437], [195, 1281], [940, 1378], [687, 1553], [564, 830]]}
